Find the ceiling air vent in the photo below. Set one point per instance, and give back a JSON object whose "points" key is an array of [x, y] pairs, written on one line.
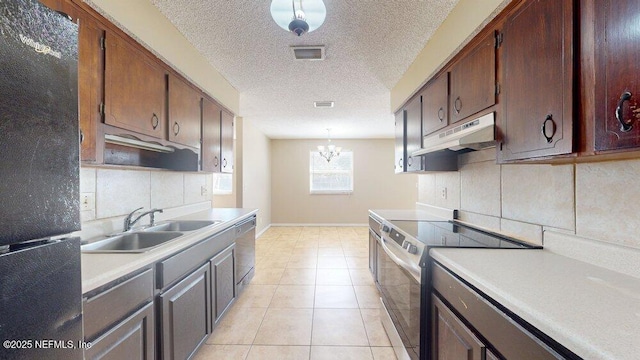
{"points": [[308, 52], [323, 104]]}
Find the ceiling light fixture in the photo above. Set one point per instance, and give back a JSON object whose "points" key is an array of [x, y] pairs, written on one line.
{"points": [[291, 16], [330, 151]]}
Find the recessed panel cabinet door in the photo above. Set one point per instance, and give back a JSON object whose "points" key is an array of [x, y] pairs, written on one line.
{"points": [[210, 136], [135, 89], [184, 113], [224, 281], [435, 99], [226, 143], [473, 81], [537, 88], [413, 127], [400, 142], [617, 67], [451, 338]]}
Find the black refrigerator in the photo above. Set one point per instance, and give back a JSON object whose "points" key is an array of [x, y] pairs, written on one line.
{"points": [[40, 283]]}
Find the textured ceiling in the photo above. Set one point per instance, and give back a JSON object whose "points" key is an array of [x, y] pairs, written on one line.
{"points": [[369, 45]]}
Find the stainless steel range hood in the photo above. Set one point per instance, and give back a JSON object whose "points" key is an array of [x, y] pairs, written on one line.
{"points": [[475, 134]]}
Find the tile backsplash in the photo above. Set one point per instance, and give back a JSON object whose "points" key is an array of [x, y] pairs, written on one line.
{"points": [[592, 200], [119, 191]]}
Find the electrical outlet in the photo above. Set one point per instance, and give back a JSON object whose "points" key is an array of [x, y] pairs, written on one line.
{"points": [[87, 201], [443, 192]]}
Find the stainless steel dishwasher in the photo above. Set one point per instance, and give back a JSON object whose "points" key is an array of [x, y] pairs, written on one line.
{"points": [[245, 251]]}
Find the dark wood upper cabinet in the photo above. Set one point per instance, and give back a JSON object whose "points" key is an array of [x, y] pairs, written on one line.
{"points": [[226, 141], [184, 113], [210, 136], [537, 81], [135, 89], [435, 98], [413, 131], [617, 85], [399, 165], [473, 81]]}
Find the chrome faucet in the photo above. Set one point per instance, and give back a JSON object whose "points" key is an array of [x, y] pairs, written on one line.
{"points": [[128, 223]]}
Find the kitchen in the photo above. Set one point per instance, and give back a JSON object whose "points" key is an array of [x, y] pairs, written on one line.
{"points": [[563, 203]]}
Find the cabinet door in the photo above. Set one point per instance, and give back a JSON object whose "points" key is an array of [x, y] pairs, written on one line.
{"points": [[224, 283], [135, 89], [185, 314], [435, 98], [451, 338], [210, 136], [400, 142], [133, 338], [413, 133], [537, 89], [473, 81], [184, 113], [226, 142], [617, 67]]}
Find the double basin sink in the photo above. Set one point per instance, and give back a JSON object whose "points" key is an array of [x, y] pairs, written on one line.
{"points": [[145, 240]]}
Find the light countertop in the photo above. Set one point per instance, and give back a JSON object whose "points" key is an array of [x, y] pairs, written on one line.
{"points": [[593, 311], [101, 268]]}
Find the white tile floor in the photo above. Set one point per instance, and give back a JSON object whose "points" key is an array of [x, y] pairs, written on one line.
{"points": [[312, 297]]}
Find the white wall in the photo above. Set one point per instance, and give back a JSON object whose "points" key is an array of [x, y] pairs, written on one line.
{"points": [[256, 170], [592, 200], [375, 184]]}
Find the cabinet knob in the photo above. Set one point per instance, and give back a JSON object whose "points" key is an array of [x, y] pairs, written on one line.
{"points": [[625, 126], [457, 105], [155, 121], [441, 114], [176, 128], [548, 120]]}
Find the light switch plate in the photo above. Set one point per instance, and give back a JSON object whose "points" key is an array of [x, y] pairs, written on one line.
{"points": [[87, 201]]}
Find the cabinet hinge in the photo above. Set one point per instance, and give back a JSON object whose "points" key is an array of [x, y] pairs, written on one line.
{"points": [[103, 42], [499, 38], [497, 89], [101, 109]]}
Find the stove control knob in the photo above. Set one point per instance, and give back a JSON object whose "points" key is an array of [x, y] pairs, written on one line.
{"points": [[406, 244], [385, 229], [412, 249]]}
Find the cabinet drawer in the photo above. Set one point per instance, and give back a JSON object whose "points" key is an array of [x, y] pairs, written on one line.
{"points": [[116, 303], [175, 267]]}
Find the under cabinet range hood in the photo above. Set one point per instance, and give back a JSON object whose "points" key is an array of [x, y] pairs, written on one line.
{"points": [[475, 134]]}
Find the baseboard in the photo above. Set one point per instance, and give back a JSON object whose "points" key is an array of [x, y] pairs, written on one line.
{"points": [[263, 231], [319, 225]]}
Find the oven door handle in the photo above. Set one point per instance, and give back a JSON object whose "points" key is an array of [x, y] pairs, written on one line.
{"points": [[415, 273]]}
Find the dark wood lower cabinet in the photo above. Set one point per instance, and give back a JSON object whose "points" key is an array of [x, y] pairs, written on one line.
{"points": [[451, 338], [223, 281], [185, 313], [133, 338]]}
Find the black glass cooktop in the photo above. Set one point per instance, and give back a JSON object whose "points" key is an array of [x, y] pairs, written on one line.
{"points": [[451, 234]]}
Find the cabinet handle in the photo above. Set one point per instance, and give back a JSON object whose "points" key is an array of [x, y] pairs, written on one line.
{"points": [[176, 128], [81, 137], [224, 162], [441, 114], [216, 162], [409, 161], [625, 126], [154, 121], [549, 119], [457, 105], [400, 163]]}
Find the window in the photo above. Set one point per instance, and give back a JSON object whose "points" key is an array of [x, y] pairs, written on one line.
{"points": [[335, 177]]}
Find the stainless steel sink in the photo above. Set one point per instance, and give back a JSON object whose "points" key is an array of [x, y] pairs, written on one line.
{"points": [[186, 225], [131, 243]]}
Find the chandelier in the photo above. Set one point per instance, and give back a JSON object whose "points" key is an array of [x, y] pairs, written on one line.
{"points": [[330, 151], [291, 16]]}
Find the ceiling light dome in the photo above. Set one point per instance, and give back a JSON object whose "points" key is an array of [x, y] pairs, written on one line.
{"points": [[296, 17]]}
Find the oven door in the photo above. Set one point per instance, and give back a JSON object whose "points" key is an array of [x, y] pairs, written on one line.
{"points": [[400, 291]]}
